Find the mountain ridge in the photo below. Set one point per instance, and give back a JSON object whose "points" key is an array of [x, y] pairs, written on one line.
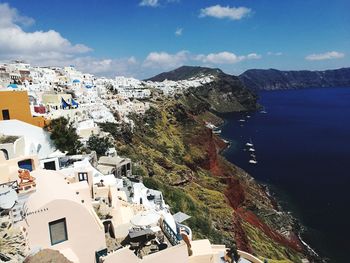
{"points": [[273, 79]]}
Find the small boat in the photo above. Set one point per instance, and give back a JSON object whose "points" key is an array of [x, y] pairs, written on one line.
{"points": [[251, 149], [210, 125], [248, 116], [253, 161], [242, 120], [216, 131], [250, 143], [226, 141], [253, 155], [263, 110]]}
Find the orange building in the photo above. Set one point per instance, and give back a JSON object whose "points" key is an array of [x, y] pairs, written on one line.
{"points": [[15, 105]]}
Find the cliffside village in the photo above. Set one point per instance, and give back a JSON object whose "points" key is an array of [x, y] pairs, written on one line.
{"points": [[80, 208]]}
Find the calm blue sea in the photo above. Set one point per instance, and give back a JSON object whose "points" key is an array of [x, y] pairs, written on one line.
{"points": [[302, 147]]}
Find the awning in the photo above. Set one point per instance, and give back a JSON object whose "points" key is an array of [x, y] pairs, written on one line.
{"points": [[181, 217], [64, 103], [74, 103]]}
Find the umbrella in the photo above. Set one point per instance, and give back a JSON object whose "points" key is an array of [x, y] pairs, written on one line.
{"points": [[56, 153], [145, 218], [8, 197]]}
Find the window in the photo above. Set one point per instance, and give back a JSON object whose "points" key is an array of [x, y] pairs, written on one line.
{"points": [[5, 115], [50, 165], [82, 177], [58, 231]]}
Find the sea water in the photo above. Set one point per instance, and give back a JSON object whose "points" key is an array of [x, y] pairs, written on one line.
{"points": [[302, 148]]}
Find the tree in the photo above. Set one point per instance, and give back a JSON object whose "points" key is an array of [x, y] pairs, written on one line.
{"points": [[99, 144], [64, 135]]}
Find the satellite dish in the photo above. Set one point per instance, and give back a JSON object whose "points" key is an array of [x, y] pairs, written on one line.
{"points": [[8, 197]]}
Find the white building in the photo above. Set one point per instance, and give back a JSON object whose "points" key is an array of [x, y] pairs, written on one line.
{"points": [[36, 140]]}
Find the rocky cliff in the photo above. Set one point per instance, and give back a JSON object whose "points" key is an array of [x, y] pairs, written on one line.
{"points": [[272, 79], [175, 153]]}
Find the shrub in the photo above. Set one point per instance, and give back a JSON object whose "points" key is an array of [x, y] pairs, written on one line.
{"points": [[99, 144], [64, 136]]}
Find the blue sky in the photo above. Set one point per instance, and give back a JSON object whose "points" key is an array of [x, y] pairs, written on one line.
{"points": [[144, 37]]}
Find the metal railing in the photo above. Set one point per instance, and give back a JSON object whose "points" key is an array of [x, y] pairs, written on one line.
{"points": [[169, 233], [12, 184], [186, 228]]}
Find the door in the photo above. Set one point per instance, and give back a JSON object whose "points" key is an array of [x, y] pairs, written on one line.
{"points": [[5, 114]]}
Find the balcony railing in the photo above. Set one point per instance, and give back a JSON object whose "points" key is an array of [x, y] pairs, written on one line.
{"points": [[173, 238], [187, 230]]}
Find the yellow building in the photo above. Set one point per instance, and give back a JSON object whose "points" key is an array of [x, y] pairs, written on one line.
{"points": [[15, 105], [54, 101]]}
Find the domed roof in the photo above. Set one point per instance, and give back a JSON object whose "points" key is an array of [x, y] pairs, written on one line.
{"points": [[14, 86], [88, 86], [76, 81]]}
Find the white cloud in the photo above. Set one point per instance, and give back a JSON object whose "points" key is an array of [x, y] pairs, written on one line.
{"points": [[9, 15], [178, 32], [132, 60], [325, 56], [106, 67], [252, 56], [15, 42], [152, 3], [165, 60], [156, 3], [225, 58], [218, 11], [270, 53], [50, 48]]}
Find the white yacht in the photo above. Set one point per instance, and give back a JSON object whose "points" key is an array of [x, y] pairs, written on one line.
{"points": [[250, 143], [253, 161]]}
